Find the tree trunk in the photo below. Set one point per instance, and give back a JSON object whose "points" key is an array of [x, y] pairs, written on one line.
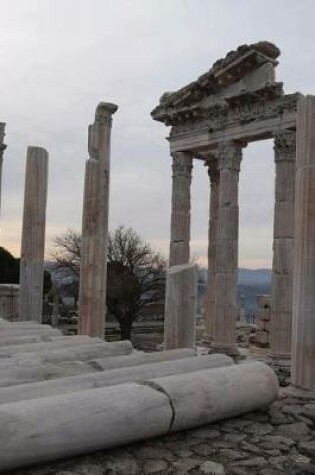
{"points": [[126, 329]]}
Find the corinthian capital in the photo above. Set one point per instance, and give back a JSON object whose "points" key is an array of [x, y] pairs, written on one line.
{"points": [[182, 164], [285, 145], [229, 156]]}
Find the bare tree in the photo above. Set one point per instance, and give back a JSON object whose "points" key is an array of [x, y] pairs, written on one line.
{"points": [[135, 273]]}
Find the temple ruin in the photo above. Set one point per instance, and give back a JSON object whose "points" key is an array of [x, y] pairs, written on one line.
{"points": [[236, 102], [105, 394]]}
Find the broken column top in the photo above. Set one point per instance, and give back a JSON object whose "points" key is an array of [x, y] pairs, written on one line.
{"points": [[235, 66], [105, 110]]}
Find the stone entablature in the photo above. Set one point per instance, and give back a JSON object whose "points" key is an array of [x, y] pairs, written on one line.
{"points": [[238, 99]]}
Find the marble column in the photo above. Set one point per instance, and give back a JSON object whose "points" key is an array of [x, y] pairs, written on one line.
{"points": [[226, 261], [33, 235], [303, 315], [2, 149], [180, 307], [283, 237], [214, 178], [180, 217], [92, 295]]}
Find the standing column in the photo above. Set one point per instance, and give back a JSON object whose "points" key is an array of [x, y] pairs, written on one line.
{"points": [[180, 218], [283, 234], [2, 149], [214, 177], [92, 298], [226, 261], [303, 325], [33, 235]]}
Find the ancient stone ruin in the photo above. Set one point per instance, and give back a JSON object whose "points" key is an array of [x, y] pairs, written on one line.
{"points": [[236, 102], [62, 396]]}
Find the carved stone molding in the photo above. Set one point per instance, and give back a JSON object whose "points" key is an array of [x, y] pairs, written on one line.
{"points": [[229, 156], [182, 164], [285, 145]]}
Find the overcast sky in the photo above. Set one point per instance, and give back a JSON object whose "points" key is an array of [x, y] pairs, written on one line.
{"points": [[60, 58]]}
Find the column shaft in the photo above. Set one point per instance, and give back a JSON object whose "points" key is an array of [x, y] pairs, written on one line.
{"points": [[282, 265], [303, 321], [33, 235], [180, 217], [92, 296], [226, 261], [214, 177]]}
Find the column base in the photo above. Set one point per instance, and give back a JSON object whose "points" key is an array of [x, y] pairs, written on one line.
{"points": [[281, 364]]}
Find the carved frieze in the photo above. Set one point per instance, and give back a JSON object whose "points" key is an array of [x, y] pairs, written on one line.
{"points": [[221, 116]]}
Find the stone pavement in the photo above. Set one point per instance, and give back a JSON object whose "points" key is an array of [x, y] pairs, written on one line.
{"points": [[278, 440]]}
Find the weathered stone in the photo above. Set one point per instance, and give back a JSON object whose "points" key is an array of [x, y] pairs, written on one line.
{"points": [[251, 448], [276, 442], [180, 307], [309, 411], [203, 449], [296, 431], [303, 327], [259, 429], [135, 359], [205, 433], [9, 293], [232, 454], [185, 464], [151, 452], [232, 390], [308, 448], [180, 217], [92, 294], [156, 467], [211, 468], [103, 414], [255, 462], [108, 378], [214, 177], [33, 235]]}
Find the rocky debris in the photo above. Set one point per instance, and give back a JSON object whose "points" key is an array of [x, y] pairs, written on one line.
{"points": [[261, 338], [271, 442]]}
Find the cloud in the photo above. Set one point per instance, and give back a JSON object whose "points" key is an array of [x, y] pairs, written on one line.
{"points": [[59, 59]]}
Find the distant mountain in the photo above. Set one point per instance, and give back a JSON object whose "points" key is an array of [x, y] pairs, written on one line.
{"points": [[254, 276], [251, 282]]}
